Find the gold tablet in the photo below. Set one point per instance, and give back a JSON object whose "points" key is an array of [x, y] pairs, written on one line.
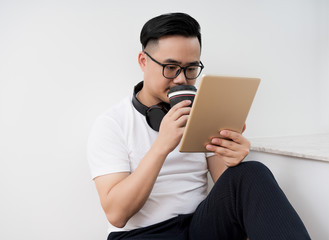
{"points": [[220, 103]]}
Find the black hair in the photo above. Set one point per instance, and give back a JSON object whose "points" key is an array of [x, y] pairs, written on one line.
{"points": [[180, 24]]}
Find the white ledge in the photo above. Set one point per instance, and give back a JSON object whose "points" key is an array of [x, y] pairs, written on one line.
{"points": [[314, 147]]}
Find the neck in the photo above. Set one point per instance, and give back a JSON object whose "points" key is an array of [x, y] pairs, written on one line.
{"points": [[146, 99]]}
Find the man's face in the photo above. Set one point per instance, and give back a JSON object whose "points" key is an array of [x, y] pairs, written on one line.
{"points": [[170, 49]]}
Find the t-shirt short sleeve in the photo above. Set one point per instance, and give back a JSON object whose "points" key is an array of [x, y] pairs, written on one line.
{"points": [[209, 154], [106, 150]]}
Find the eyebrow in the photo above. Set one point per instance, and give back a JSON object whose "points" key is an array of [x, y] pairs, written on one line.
{"points": [[169, 60]]}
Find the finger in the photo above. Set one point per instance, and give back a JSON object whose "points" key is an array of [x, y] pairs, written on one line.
{"points": [[226, 143], [184, 111], [231, 158], [236, 137], [179, 105], [240, 149], [225, 152], [181, 121]]}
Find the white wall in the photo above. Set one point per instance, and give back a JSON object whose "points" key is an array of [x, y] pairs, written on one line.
{"points": [[64, 62]]}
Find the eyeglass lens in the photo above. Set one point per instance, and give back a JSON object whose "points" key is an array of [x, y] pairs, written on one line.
{"points": [[172, 71]]}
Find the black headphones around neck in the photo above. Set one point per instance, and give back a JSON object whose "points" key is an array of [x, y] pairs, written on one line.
{"points": [[153, 114]]}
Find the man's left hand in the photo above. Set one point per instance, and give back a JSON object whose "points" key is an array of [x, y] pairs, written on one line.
{"points": [[232, 150]]}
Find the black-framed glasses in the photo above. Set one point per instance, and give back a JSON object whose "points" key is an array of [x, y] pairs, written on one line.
{"points": [[172, 70]]}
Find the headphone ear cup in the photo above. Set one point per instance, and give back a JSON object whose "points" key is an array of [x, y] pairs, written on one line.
{"points": [[155, 114]]}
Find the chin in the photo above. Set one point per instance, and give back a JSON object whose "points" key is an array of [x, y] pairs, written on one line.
{"points": [[165, 99]]}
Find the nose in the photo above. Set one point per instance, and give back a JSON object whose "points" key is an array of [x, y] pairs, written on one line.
{"points": [[180, 79]]}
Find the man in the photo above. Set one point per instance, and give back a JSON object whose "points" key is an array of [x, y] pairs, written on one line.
{"points": [[148, 189]]}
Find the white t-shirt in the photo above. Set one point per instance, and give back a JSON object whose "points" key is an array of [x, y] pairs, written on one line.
{"points": [[119, 139]]}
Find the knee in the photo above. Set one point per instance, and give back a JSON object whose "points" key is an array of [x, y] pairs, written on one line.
{"points": [[244, 176], [254, 166], [251, 170]]}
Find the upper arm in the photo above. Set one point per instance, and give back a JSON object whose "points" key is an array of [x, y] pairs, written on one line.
{"points": [[105, 183], [107, 150], [216, 167]]}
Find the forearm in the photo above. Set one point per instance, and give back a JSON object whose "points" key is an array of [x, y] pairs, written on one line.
{"points": [[129, 195], [216, 167]]}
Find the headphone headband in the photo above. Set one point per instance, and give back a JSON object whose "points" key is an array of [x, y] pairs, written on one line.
{"points": [[137, 104]]}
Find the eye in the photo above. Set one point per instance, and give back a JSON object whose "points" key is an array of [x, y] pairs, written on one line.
{"points": [[192, 68], [172, 67]]}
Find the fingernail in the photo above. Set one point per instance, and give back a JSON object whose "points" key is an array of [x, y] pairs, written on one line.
{"points": [[224, 133], [209, 147], [215, 140]]}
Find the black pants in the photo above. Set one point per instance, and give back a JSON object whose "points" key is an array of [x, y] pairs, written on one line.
{"points": [[246, 201]]}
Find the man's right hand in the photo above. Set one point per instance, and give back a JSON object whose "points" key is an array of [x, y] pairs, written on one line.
{"points": [[173, 125]]}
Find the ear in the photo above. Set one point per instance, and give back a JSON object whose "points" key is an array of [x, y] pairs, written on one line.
{"points": [[142, 60]]}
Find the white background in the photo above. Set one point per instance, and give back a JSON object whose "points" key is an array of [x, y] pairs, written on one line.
{"points": [[62, 63]]}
